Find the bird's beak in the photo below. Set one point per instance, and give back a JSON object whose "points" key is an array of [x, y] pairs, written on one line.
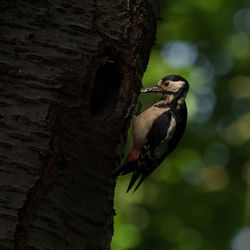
{"points": [[153, 89]]}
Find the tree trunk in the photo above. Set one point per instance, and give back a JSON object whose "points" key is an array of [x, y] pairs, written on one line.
{"points": [[70, 73]]}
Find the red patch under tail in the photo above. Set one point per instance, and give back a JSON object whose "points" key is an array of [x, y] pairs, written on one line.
{"points": [[132, 156]]}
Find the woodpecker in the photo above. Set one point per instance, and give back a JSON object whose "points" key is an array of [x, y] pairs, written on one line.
{"points": [[157, 131]]}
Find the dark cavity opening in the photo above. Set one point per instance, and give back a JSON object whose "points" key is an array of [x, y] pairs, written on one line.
{"points": [[106, 87]]}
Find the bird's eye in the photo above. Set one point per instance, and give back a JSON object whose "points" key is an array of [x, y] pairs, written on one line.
{"points": [[166, 83]]}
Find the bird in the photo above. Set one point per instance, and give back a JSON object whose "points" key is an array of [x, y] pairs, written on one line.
{"points": [[157, 131]]}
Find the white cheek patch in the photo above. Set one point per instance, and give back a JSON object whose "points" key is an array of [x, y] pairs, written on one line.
{"points": [[175, 86]]}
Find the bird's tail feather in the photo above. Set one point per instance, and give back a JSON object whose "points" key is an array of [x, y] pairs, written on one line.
{"points": [[140, 182], [125, 169], [128, 168], [134, 177], [138, 172]]}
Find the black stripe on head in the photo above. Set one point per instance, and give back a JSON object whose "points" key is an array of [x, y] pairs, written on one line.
{"points": [[174, 78], [182, 92]]}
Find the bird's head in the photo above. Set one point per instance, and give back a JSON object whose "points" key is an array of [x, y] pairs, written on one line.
{"points": [[171, 85]]}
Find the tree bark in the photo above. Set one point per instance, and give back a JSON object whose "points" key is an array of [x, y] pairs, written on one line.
{"points": [[70, 73]]}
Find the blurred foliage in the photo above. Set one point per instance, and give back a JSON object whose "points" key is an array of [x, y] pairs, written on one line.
{"points": [[198, 199]]}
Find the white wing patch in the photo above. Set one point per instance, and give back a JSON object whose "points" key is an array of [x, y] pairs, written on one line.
{"points": [[162, 148], [171, 129]]}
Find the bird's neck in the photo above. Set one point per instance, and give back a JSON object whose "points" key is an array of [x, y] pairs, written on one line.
{"points": [[170, 100]]}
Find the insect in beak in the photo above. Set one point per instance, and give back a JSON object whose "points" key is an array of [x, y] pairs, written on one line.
{"points": [[153, 89]]}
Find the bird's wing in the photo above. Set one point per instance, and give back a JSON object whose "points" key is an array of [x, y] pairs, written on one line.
{"points": [[155, 148]]}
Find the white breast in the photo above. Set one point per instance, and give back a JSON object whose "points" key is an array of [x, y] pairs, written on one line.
{"points": [[142, 124]]}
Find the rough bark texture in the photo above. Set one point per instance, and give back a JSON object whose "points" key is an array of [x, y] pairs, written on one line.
{"points": [[70, 72]]}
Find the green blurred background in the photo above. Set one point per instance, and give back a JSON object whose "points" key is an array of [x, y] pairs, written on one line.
{"points": [[198, 199]]}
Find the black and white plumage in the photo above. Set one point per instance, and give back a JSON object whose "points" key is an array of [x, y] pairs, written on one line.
{"points": [[157, 131]]}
